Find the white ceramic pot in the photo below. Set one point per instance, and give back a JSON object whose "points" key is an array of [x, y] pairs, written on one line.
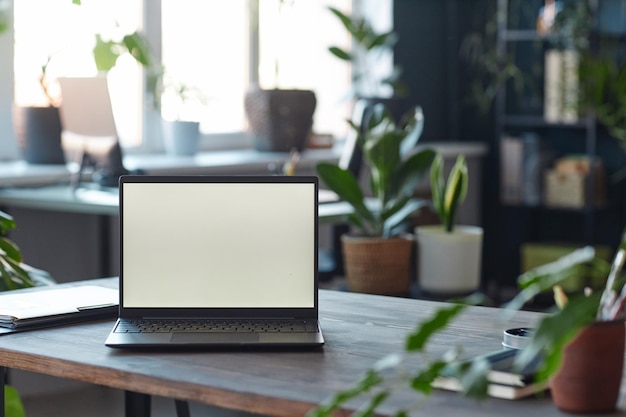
{"points": [[449, 263], [181, 137]]}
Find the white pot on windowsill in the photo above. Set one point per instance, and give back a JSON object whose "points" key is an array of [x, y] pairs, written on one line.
{"points": [[181, 138], [449, 262]]}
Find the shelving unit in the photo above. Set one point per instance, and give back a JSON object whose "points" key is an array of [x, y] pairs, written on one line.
{"points": [[521, 223]]}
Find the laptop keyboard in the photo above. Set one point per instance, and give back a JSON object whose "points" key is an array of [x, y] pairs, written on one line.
{"points": [[216, 326]]}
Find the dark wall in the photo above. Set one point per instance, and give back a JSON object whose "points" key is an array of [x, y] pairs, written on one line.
{"points": [[430, 33]]}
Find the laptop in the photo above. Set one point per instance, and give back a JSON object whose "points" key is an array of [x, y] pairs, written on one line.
{"points": [[218, 261]]}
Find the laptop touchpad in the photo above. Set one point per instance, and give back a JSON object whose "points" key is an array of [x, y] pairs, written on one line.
{"points": [[215, 337]]}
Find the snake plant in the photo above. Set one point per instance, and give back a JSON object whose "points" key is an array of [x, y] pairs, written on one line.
{"points": [[395, 172], [447, 196]]}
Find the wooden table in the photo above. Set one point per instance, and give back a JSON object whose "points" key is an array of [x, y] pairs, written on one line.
{"points": [[359, 329]]}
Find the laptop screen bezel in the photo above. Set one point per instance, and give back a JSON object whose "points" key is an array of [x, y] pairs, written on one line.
{"points": [[239, 312]]}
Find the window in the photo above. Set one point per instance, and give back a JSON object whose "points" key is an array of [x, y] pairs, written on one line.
{"points": [[62, 34], [205, 44]]}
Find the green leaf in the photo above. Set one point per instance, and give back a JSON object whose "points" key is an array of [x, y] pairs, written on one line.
{"points": [[10, 249], [375, 401], [437, 186], [366, 383], [555, 331], [378, 40], [340, 53], [543, 278], [411, 172], [418, 339], [105, 54], [13, 406], [413, 126], [344, 19], [138, 46], [456, 191], [6, 222], [342, 182], [422, 382]]}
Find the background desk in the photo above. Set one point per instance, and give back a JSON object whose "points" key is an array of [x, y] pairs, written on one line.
{"points": [[74, 235], [359, 329]]}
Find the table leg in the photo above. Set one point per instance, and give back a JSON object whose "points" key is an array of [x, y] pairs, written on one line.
{"points": [[136, 404], [3, 375], [182, 408]]}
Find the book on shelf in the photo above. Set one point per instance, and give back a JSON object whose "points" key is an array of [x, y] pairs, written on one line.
{"points": [[561, 86], [522, 162], [504, 381]]}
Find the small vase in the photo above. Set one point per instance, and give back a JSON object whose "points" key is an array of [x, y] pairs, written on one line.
{"points": [[181, 138], [449, 262], [590, 376]]}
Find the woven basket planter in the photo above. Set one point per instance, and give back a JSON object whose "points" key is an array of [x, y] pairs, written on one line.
{"points": [[377, 265], [280, 120]]}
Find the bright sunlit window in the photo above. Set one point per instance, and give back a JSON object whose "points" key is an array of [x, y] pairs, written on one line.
{"points": [[62, 34], [206, 45]]}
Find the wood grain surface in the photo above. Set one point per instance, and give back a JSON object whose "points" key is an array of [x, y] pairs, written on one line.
{"points": [[359, 329]]}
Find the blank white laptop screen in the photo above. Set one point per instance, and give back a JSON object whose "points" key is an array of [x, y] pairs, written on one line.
{"points": [[217, 245]]}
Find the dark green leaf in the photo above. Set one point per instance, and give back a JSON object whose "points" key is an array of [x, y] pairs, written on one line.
{"points": [[346, 186], [344, 19], [418, 339], [378, 40], [10, 249], [6, 222], [411, 172], [375, 401], [370, 380], [422, 382], [340, 53]]}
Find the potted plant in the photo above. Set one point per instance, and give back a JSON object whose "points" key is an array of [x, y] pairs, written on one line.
{"points": [[377, 257], [180, 122], [368, 46], [449, 255], [38, 128], [280, 119], [581, 344]]}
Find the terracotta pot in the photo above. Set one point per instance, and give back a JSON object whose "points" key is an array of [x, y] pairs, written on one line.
{"points": [[591, 373], [377, 265]]}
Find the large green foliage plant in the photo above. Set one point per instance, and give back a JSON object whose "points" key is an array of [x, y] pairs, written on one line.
{"points": [[395, 169]]}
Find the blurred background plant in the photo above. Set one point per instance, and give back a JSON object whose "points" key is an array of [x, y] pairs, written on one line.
{"points": [[368, 46]]}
